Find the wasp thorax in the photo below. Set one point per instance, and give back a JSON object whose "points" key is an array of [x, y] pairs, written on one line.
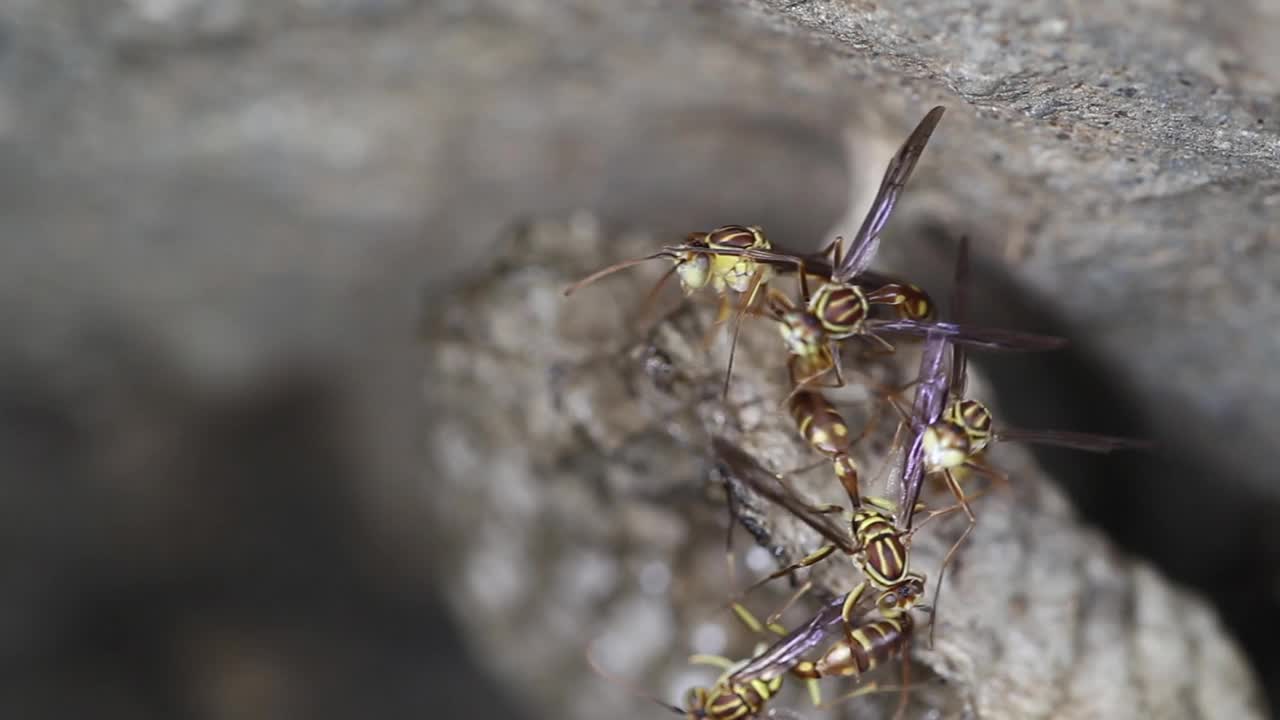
{"points": [[694, 269], [841, 309], [802, 333], [738, 236], [946, 446], [975, 419], [737, 273]]}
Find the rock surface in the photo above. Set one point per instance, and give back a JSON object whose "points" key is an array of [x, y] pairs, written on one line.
{"points": [[567, 451], [205, 199]]}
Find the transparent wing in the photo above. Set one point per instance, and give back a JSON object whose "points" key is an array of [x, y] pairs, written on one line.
{"points": [[734, 464], [971, 335], [1074, 440], [793, 646], [863, 248], [959, 311], [931, 393]]}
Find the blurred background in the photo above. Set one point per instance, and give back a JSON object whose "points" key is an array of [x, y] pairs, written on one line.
{"points": [[225, 223]]}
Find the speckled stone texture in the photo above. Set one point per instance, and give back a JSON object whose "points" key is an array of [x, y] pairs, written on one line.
{"points": [[217, 210], [568, 478]]}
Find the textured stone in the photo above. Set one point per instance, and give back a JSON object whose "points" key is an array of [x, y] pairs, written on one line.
{"points": [[1039, 618], [218, 195]]}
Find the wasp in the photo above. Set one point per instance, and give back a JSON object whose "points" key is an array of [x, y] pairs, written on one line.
{"points": [[825, 430], [746, 687], [876, 546], [726, 259], [840, 308], [858, 649], [949, 431]]}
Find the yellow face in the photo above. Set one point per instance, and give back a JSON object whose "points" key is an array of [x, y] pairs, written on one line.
{"points": [[731, 272], [946, 446], [737, 273]]}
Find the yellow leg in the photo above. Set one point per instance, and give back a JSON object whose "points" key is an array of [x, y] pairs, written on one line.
{"points": [[813, 558], [815, 691], [772, 620], [752, 623], [719, 661], [865, 689], [850, 604]]}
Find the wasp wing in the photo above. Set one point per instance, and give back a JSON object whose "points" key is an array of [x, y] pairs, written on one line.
{"points": [[792, 647], [931, 395], [734, 464], [867, 241], [1088, 442], [972, 335]]}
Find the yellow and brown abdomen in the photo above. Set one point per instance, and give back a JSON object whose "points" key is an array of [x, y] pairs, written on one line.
{"points": [[975, 419], [912, 302], [819, 423], [741, 700], [869, 645]]}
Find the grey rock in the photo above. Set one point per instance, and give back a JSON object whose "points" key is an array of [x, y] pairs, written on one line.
{"points": [[222, 194], [567, 470]]}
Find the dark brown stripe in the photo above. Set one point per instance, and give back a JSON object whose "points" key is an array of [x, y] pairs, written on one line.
{"points": [[725, 705], [733, 236], [858, 651]]}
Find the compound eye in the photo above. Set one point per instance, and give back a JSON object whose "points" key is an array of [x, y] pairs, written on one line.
{"points": [[694, 270]]}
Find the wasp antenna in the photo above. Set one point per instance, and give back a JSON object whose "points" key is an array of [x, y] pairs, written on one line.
{"points": [[631, 688], [611, 270], [649, 299]]}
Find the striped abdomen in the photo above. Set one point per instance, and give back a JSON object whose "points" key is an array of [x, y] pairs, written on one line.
{"points": [[819, 423], [884, 555], [872, 644], [742, 700], [912, 301], [975, 418], [841, 309], [803, 335]]}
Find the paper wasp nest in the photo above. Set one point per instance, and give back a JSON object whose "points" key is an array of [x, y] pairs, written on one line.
{"points": [[570, 466]]}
